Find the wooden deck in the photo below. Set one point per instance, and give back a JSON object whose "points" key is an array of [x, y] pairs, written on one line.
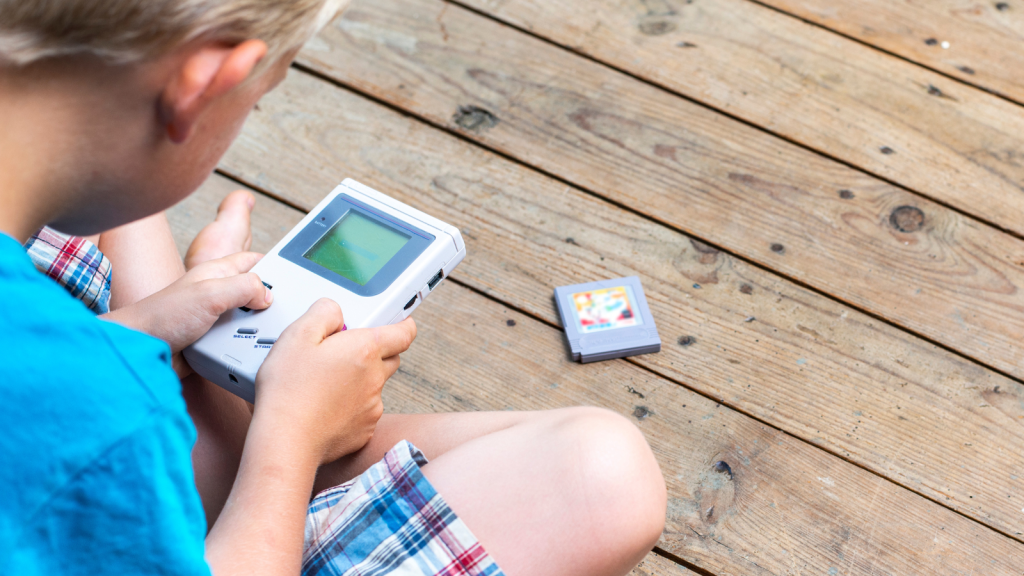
{"points": [[823, 199]]}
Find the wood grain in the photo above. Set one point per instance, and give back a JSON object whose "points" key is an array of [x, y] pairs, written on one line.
{"points": [[878, 247], [927, 419], [952, 142], [786, 507], [984, 37]]}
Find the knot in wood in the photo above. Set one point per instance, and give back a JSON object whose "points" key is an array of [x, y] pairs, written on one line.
{"points": [[702, 247], [722, 467], [657, 26], [778, 248], [907, 219], [686, 341], [641, 413], [474, 118]]}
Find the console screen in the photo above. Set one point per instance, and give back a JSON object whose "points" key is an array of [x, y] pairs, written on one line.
{"points": [[357, 247]]}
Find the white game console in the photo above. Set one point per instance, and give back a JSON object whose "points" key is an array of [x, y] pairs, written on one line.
{"points": [[375, 256]]}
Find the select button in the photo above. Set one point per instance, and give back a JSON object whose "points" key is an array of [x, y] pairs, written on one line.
{"points": [[248, 330]]}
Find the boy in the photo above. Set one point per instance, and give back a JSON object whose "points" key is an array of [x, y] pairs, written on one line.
{"points": [[111, 112]]}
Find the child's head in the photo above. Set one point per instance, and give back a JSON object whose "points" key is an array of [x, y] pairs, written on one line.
{"points": [[132, 102]]}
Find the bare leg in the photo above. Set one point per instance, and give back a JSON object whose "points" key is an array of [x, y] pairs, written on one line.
{"points": [[573, 493], [145, 259], [434, 434], [565, 492]]}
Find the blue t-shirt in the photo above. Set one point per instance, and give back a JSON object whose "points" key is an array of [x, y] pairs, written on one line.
{"points": [[95, 443]]}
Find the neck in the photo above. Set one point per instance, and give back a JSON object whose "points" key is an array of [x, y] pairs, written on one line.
{"points": [[69, 126], [34, 149]]}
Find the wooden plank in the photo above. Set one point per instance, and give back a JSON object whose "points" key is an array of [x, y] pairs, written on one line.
{"points": [[782, 507], [984, 38], [910, 125], [905, 409], [875, 246], [271, 220]]}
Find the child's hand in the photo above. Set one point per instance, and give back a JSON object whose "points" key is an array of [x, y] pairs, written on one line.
{"points": [[322, 386], [181, 313]]}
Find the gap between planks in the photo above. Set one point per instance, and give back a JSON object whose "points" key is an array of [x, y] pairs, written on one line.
{"points": [[1014, 93]]}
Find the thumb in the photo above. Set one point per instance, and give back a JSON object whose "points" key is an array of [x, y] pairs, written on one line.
{"points": [[237, 263], [218, 295], [323, 319]]}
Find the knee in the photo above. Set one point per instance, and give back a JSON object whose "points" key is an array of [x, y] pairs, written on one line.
{"points": [[616, 469]]}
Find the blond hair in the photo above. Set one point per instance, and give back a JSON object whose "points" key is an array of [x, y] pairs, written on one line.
{"points": [[128, 31]]}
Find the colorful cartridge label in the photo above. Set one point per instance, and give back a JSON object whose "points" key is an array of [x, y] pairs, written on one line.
{"points": [[605, 309]]}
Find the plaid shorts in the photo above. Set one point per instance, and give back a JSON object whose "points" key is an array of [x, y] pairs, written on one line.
{"points": [[75, 263], [390, 520]]}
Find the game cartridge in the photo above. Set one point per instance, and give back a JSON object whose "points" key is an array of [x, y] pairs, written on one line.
{"points": [[607, 319]]}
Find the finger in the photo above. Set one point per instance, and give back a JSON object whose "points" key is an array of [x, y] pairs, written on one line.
{"points": [[391, 365], [397, 338], [233, 265], [323, 319], [218, 295], [181, 367]]}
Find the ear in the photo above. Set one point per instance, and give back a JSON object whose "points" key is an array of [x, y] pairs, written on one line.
{"points": [[206, 74]]}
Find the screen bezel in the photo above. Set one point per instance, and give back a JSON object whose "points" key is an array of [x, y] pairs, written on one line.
{"points": [[325, 221]]}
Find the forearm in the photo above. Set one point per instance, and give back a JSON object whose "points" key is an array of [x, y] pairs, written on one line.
{"points": [[261, 528], [318, 398]]}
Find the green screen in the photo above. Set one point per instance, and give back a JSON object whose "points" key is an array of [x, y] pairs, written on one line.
{"points": [[357, 247]]}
